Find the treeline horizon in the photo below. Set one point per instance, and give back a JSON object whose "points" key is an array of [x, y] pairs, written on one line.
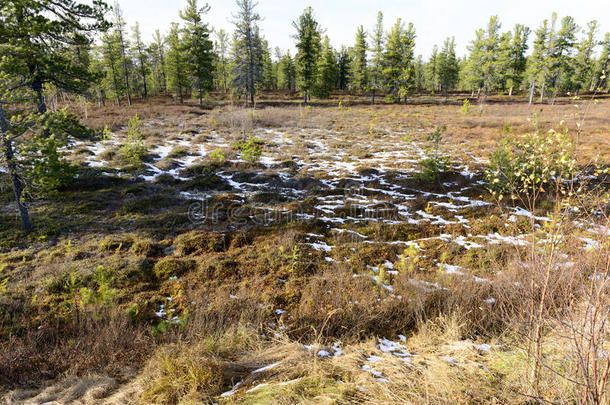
{"points": [[193, 59]]}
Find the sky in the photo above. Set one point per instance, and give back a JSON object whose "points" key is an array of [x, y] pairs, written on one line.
{"points": [[434, 20]]}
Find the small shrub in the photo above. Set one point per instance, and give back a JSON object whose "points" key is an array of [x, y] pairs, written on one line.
{"points": [[134, 150], [167, 268], [531, 164], [217, 156], [48, 169], [251, 151], [466, 106], [434, 164]]}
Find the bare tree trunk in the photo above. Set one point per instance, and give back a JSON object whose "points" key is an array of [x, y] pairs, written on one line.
{"points": [[9, 156], [532, 88], [373, 97], [542, 94]]}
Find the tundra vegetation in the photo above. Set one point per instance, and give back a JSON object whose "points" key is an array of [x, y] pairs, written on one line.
{"points": [[204, 219]]}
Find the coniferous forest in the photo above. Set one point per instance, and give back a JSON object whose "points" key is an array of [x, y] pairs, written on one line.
{"points": [[200, 216]]}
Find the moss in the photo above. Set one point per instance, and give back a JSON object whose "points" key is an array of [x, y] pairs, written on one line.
{"points": [[116, 243], [194, 242], [167, 268]]}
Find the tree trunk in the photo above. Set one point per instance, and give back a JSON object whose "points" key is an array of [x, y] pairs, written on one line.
{"points": [[373, 97], [42, 105], [305, 97], [9, 156], [510, 92], [542, 94], [532, 88]]}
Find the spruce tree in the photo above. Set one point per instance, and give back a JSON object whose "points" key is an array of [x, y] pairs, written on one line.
{"points": [[398, 59], [326, 71], [156, 50], [343, 68], [122, 43], [359, 79], [287, 73], [377, 43], [448, 69], [222, 61], [112, 66], [177, 70], [139, 51], [247, 49], [309, 46], [198, 47]]}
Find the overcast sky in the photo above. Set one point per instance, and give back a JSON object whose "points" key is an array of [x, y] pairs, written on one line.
{"points": [[434, 20]]}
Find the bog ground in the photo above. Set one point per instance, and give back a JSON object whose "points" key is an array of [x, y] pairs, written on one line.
{"points": [[325, 270]]}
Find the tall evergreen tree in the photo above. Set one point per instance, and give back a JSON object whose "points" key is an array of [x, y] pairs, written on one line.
{"points": [[40, 36], [177, 70], [112, 66], [398, 59], [119, 32], [309, 46], [448, 68], [139, 52], [377, 43], [584, 66], [326, 71], [343, 68], [157, 55], [287, 73], [537, 70], [517, 58], [359, 78], [199, 49], [247, 48], [602, 68], [222, 61], [561, 47]]}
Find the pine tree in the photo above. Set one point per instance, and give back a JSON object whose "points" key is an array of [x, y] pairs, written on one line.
{"points": [[584, 67], [343, 68], [119, 31], [198, 47], [40, 35], [309, 46], [359, 79], [432, 79], [517, 58], [561, 48], [247, 49], [537, 70], [448, 69], [222, 65], [488, 56], [398, 59], [112, 66], [269, 79], [377, 43], [603, 65], [326, 71], [287, 73], [177, 77], [157, 56], [140, 54]]}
